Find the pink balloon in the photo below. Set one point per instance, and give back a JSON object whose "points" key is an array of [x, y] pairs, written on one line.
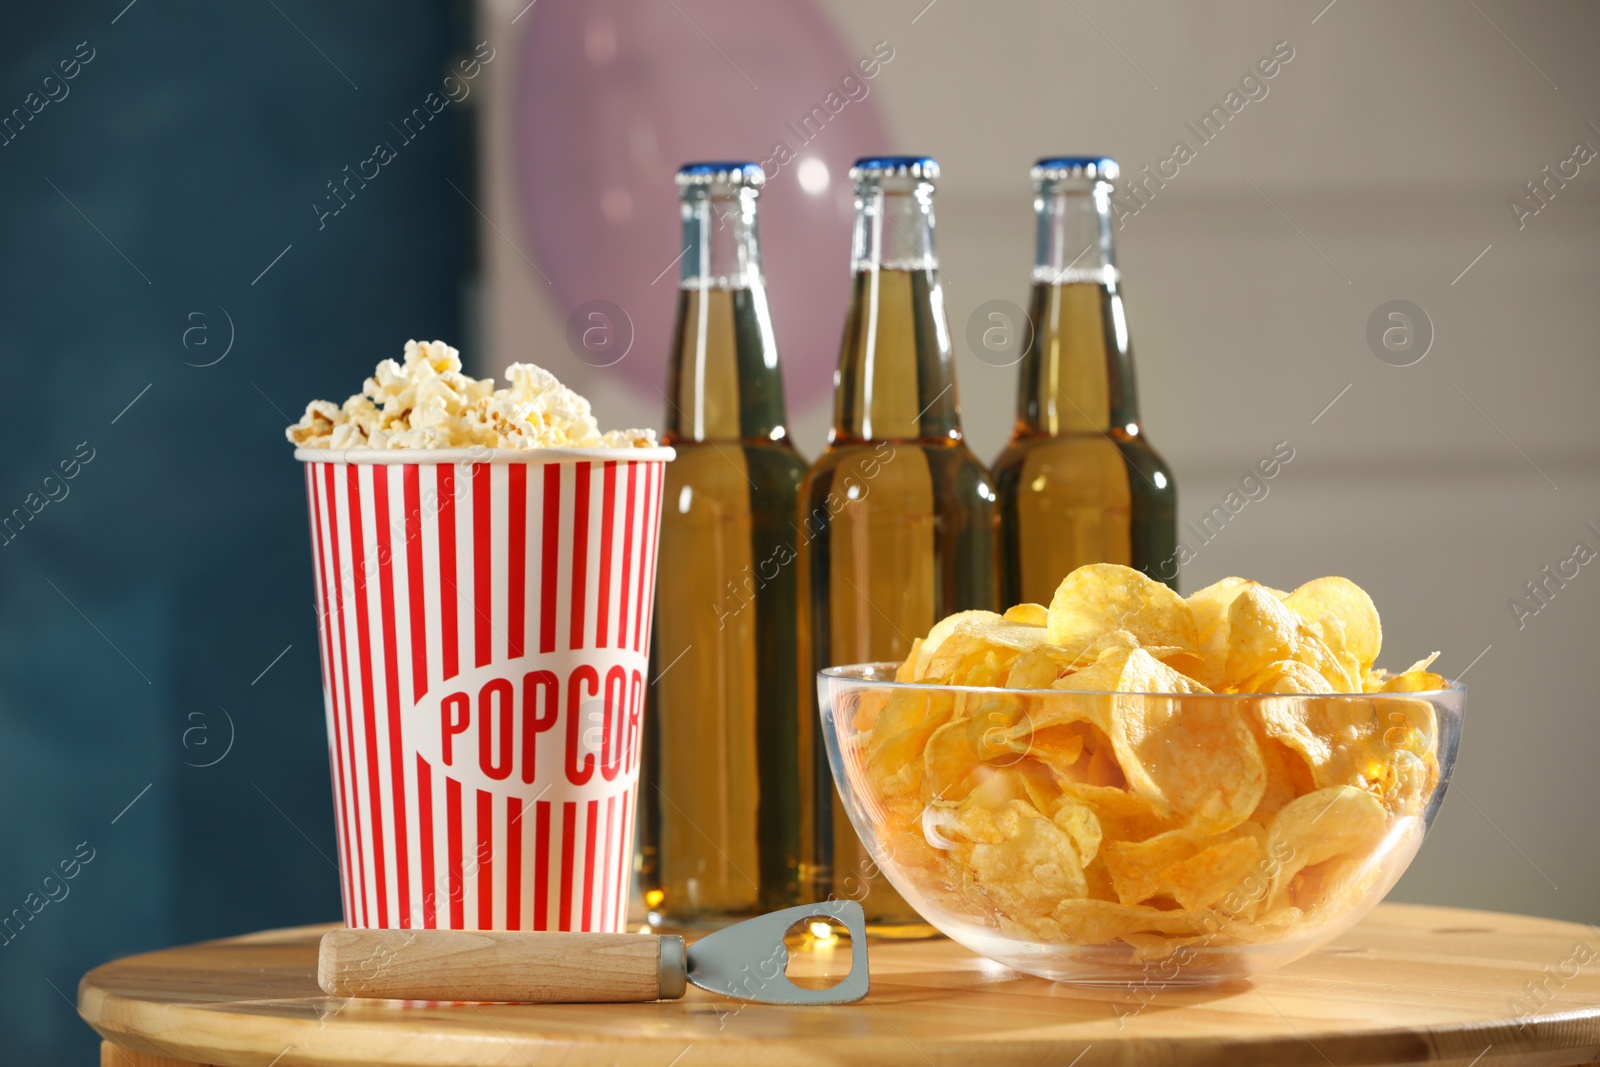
{"points": [[615, 95]]}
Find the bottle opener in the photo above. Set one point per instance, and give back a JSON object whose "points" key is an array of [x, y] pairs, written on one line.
{"points": [[747, 961]]}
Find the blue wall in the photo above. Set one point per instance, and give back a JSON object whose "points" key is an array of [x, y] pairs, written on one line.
{"points": [[172, 568]]}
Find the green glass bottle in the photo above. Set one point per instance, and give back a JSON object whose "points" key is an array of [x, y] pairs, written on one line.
{"points": [[720, 816], [897, 515], [1079, 482]]}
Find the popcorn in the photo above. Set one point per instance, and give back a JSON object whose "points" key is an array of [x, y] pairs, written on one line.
{"points": [[428, 402]]}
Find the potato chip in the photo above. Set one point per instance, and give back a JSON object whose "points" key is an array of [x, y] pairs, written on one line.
{"points": [[1350, 604], [1284, 916], [1327, 889], [1352, 671], [1347, 675], [1135, 866], [1209, 774], [1056, 747], [948, 760], [1181, 660], [1080, 823], [868, 707], [1102, 769], [907, 671], [1028, 614], [1038, 668], [1115, 804], [1152, 948], [896, 742], [1096, 650], [1105, 675], [1058, 709], [942, 630], [1287, 777], [947, 825], [898, 824], [1304, 728], [1101, 597], [1203, 768], [1366, 744], [1209, 608], [1287, 676], [955, 750], [1407, 770], [1028, 776], [977, 634], [1319, 826], [1324, 888], [1246, 897], [1129, 670], [1098, 880], [1194, 870], [985, 666], [1405, 782], [1410, 725], [956, 654], [1031, 868], [1414, 681], [1262, 631], [1086, 790], [1208, 875], [1094, 922], [991, 787]]}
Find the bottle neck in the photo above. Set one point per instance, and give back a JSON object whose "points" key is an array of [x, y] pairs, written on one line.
{"points": [[896, 378], [724, 382], [722, 249], [893, 228], [1077, 375], [1074, 240]]}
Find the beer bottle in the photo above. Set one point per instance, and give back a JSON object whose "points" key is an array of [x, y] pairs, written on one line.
{"points": [[720, 816], [1079, 483], [897, 515]]}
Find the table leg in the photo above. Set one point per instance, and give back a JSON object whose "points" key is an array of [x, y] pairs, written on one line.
{"points": [[115, 1056]]}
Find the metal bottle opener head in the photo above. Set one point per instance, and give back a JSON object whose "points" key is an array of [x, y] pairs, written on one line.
{"points": [[748, 960]]}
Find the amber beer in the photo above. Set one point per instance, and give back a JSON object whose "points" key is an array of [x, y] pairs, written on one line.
{"points": [[1079, 483], [720, 811], [897, 515]]}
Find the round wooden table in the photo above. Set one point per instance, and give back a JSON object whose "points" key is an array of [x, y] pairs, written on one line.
{"points": [[1408, 985]]}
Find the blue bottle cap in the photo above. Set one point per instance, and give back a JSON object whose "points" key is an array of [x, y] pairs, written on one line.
{"points": [[1094, 168], [878, 167], [723, 173]]}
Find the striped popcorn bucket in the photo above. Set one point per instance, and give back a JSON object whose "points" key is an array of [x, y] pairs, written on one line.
{"points": [[484, 618]]}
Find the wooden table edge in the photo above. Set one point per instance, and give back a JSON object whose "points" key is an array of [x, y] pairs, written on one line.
{"points": [[1569, 1037]]}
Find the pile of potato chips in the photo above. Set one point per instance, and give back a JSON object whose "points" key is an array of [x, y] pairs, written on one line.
{"points": [[1096, 793]]}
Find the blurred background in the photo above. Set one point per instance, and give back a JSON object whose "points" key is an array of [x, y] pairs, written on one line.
{"points": [[195, 244]]}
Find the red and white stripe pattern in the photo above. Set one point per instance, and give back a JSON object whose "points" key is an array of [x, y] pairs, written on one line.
{"points": [[485, 578]]}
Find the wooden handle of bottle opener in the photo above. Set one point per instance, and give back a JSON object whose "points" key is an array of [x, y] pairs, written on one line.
{"points": [[485, 965]]}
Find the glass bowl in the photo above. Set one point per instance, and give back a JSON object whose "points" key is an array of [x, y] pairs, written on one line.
{"points": [[1134, 837]]}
